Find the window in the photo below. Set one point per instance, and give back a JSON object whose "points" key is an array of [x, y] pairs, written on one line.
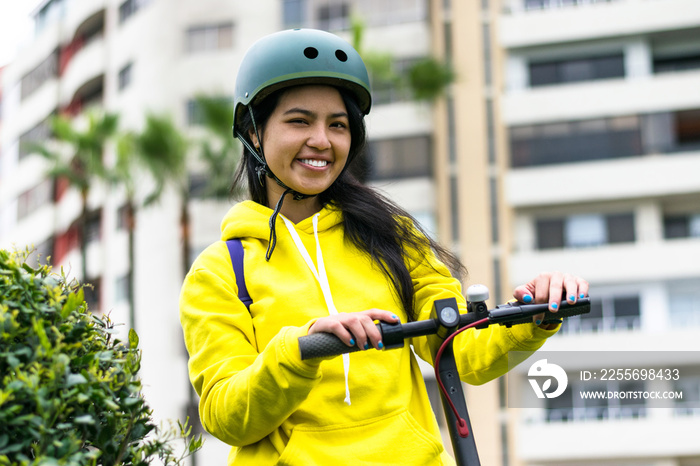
{"points": [[50, 12], [585, 230], [679, 63], [399, 158], [688, 129], [387, 89], [584, 69], [125, 76], [575, 141], [588, 230], [46, 70], [30, 200], [620, 228], [209, 37], [684, 306], [682, 226], [93, 228], [37, 135], [333, 16], [550, 233], [547, 4], [129, 8], [608, 314], [689, 404]]}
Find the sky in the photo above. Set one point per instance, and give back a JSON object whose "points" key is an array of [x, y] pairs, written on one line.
{"points": [[15, 26]]}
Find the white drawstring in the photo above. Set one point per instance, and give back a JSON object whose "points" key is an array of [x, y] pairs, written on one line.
{"points": [[322, 279]]}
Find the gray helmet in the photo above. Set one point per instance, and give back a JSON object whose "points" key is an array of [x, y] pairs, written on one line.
{"points": [[299, 56]]}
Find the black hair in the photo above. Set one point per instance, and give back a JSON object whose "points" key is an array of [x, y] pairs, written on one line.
{"points": [[371, 222]]}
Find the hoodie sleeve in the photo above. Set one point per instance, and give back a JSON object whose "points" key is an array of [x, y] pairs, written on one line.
{"points": [[244, 394], [481, 355]]}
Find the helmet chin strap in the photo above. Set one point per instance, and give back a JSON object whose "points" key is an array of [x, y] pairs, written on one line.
{"points": [[264, 170]]}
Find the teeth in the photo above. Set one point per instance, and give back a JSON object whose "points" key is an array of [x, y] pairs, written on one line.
{"points": [[314, 163]]}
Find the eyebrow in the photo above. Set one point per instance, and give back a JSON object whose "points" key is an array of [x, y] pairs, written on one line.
{"points": [[312, 114]]}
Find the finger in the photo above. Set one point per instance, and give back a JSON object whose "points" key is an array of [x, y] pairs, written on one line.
{"points": [[373, 337], [537, 319], [582, 288], [384, 316], [359, 324], [556, 290], [571, 286], [542, 288], [333, 325], [524, 293]]}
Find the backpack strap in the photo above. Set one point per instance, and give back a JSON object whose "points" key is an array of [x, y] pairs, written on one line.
{"points": [[235, 249]]}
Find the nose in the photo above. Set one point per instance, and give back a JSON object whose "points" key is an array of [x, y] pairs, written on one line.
{"points": [[318, 137]]}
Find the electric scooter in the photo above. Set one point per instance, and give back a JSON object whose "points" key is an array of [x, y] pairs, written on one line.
{"points": [[446, 323]]}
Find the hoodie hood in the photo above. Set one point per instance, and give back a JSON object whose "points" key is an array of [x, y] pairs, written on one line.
{"points": [[248, 219]]}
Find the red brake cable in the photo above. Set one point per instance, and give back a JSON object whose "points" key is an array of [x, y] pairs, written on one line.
{"points": [[462, 427]]}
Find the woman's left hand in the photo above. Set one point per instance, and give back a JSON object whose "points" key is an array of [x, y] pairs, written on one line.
{"points": [[551, 287]]}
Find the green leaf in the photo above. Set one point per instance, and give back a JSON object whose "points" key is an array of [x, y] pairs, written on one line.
{"points": [[133, 339], [75, 379], [84, 419]]}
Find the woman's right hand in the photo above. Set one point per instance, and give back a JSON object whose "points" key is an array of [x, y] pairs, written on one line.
{"points": [[355, 328]]}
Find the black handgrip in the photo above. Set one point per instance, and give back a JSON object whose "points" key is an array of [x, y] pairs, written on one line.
{"points": [[319, 345], [517, 313]]}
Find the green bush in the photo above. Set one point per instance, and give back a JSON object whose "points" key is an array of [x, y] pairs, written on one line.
{"points": [[69, 393]]}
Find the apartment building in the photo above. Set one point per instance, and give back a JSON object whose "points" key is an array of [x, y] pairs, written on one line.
{"points": [[601, 101], [132, 57], [570, 140]]}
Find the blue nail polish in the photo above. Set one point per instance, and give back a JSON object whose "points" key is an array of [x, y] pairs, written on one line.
{"points": [[366, 345], [582, 296], [572, 298], [352, 341], [380, 345], [394, 316], [527, 298], [555, 305], [538, 322]]}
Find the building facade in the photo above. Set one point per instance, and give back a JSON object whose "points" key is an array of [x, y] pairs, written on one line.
{"points": [[569, 140], [601, 101]]}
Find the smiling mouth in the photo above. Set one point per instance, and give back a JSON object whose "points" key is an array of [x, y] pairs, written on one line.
{"points": [[314, 162]]}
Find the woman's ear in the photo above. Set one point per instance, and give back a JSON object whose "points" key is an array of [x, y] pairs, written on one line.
{"points": [[254, 138]]}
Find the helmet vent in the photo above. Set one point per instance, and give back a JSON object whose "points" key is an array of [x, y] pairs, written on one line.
{"points": [[340, 55], [310, 52]]}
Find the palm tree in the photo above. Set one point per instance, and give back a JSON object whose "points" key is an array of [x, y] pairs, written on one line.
{"points": [[219, 150], [84, 163], [162, 149], [427, 78]]}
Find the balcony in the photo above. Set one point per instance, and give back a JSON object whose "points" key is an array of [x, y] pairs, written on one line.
{"points": [[603, 98], [597, 21], [621, 179], [627, 263], [87, 64], [652, 437], [80, 13]]}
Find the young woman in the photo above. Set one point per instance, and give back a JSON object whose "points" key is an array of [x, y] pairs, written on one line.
{"points": [[323, 253]]}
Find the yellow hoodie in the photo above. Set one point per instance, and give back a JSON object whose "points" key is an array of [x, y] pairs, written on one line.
{"points": [[273, 408]]}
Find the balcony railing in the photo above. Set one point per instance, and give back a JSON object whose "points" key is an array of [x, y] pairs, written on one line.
{"points": [[593, 413]]}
